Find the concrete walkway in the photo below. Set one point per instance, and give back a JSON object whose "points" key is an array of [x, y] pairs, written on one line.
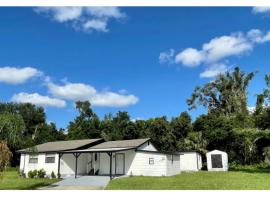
{"points": [[80, 183]]}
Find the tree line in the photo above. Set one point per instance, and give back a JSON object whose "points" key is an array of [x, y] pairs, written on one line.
{"points": [[228, 124]]}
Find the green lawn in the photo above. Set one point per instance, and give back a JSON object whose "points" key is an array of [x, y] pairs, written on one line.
{"points": [[233, 180], [12, 181]]}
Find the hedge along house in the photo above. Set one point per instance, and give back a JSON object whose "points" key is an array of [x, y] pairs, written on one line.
{"points": [[112, 158]]}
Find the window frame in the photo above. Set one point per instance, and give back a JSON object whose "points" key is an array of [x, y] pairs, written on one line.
{"points": [[151, 161], [49, 156], [31, 158]]}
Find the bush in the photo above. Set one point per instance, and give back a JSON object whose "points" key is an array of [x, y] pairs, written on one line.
{"points": [[58, 175], [41, 173], [32, 174], [53, 175]]}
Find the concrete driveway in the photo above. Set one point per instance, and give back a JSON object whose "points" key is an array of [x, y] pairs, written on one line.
{"points": [[80, 183]]}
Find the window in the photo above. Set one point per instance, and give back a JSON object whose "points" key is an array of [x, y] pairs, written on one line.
{"points": [[151, 161], [216, 160], [50, 158], [33, 159], [95, 156]]}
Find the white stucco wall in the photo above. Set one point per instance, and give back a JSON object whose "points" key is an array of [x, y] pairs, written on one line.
{"points": [[25, 166], [140, 165], [224, 157], [173, 165], [190, 161]]}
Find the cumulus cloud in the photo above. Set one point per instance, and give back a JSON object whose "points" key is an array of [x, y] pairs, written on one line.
{"points": [[83, 18], [80, 91], [190, 57], [212, 54], [14, 75], [38, 99], [167, 56], [213, 70], [262, 9]]}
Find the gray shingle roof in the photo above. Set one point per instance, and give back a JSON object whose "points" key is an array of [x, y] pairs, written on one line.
{"points": [[121, 144], [61, 145]]}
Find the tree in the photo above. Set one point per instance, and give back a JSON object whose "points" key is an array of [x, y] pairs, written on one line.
{"points": [[48, 133], [86, 125], [181, 125], [5, 156], [226, 95], [262, 112], [193, 141], [12, 128], [158, 129], [118, 127]]}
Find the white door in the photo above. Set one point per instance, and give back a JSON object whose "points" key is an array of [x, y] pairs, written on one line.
{"points": [[119, 164]]}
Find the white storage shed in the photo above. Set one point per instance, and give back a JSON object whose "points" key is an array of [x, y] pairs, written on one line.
{"points": [[217, 161], [190, 161]]}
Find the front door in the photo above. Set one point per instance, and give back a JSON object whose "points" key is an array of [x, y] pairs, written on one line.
{"points": [[119, 164]]}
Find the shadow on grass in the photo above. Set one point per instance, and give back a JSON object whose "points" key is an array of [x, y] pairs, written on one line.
{"points": [[250, 170]]}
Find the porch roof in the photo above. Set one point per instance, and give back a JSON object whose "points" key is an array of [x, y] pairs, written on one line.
{"points": [[97, 150]]}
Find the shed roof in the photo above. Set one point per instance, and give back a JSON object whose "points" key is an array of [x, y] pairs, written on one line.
{"points": [[121, 144], [62, 145]]}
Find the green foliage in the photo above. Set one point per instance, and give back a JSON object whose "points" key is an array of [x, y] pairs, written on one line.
{"points": [[181, 125], [11, 129], [226, 95], [41, 173], [53, 175], [86, 125], [32, 173]]}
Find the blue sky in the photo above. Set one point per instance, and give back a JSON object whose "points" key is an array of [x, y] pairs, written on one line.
{"points": [[146, 61]]}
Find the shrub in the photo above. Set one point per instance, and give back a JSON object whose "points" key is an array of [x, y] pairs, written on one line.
{"points": [[41, 173], [204, 166], [32, 174], [58, 175], [53, 175]]}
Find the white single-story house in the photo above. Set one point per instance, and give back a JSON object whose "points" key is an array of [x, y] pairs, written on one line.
{"points": [[217, 160], [97, 157], [190, 161]]}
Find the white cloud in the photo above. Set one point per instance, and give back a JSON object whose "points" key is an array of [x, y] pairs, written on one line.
{"points": [[213, 70], [257, 36], [213, 53], [83, 18], [190, 57], [14, 75], [167, 56], [38, 99], [80, 91], [264, 9], [225, 46], [98, 25], [111, 99], [72, 91]]}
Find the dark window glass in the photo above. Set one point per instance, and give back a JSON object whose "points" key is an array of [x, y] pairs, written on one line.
{"points": [[216, 161], [95, 156], [50, 159], [33, 159], [151, 161]]}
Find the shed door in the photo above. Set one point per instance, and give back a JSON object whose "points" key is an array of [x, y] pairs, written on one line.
{"points": [[216, 161], [119, 164]]}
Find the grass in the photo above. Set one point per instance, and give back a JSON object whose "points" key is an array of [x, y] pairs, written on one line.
{"points": [[12, 181], [203, 180]]}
